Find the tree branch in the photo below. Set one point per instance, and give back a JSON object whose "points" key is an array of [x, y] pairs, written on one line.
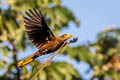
{"points": [[15, 51]]}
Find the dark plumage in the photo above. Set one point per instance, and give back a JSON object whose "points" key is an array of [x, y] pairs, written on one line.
{"points": [[37, 30]]}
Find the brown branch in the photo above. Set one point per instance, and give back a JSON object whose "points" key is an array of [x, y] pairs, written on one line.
{"points": [[46, 63], [15, 51]]}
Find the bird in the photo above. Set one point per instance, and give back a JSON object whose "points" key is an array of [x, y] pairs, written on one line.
{"points": [[40, 35]]}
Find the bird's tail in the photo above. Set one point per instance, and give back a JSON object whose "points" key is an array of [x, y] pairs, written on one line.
{"points": [[26, 61]]}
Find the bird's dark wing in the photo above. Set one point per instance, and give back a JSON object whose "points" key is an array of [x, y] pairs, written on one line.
{"points": [[37, 30]]}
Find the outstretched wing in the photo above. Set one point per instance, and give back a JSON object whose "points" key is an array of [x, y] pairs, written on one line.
{"points": [[37, 30]]}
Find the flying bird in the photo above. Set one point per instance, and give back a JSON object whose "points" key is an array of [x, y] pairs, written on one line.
{"points": [[41, 36]]}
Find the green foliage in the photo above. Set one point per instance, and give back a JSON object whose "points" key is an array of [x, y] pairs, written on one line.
{"points": [[56, 71], [107, 49], [13, 39]]}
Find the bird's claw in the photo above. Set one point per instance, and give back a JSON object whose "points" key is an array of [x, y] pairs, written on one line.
{"points": [[73, 41]]}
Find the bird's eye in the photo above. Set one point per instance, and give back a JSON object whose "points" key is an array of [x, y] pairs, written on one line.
{"points": [[65, 34]]}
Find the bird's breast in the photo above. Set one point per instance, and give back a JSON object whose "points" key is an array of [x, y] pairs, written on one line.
{"points": [[50, 47]]}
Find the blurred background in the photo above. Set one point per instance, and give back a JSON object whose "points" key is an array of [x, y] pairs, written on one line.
{"points": [[95, 56]]}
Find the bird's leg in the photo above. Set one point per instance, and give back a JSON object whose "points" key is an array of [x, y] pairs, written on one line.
{"points": [[73, 41]]}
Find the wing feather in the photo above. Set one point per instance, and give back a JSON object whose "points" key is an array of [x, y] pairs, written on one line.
{"points": [[36, 28]]}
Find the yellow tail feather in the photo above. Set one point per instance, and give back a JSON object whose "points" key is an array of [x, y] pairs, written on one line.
{"points": [[25, 61]]}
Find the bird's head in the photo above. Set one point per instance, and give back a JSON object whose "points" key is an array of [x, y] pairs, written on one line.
{"points": [[65, 37]]}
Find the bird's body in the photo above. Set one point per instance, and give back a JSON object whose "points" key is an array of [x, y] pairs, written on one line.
{"points": [[41, 36], [47, 48]]}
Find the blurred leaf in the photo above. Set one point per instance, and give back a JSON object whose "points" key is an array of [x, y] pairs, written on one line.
{"points": [[20, 38], [79, 53], [57, 71], [4, 51], [57, 2]]}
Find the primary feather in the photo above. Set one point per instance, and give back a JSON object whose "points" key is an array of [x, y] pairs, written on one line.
{"points": [[37, 30]]}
